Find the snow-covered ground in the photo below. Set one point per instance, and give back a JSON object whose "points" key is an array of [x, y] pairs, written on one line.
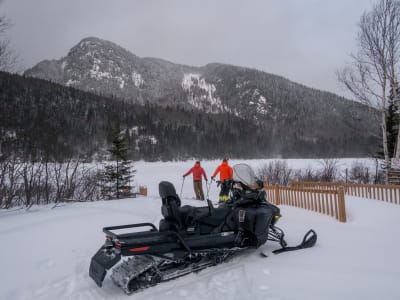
{"points": [[45, 253]]}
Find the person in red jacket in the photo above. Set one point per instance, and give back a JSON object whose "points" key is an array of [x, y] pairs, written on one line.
{"points": [[225, 176], [197, 172]]}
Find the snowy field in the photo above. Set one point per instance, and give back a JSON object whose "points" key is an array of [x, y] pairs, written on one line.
{"points": [[45, 253]]}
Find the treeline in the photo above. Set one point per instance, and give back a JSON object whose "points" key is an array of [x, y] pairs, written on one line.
{"points": [[23, 184], [279, 173], [40, 119]]}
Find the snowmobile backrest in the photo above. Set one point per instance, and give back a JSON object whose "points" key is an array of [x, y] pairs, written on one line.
{"points": [[171, 212], [168, 193], [170, 203]]}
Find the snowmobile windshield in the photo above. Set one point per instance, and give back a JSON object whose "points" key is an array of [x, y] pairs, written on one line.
{"points": [[244, 173]]}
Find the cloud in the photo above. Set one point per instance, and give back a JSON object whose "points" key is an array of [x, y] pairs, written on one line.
{"points": [[303, 40]]}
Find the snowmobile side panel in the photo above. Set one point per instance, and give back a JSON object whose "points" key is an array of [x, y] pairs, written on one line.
{"points": [[170, 241]]}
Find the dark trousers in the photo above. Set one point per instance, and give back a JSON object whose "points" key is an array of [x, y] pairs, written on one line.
{"points": [[224, 193], [198, 189]]}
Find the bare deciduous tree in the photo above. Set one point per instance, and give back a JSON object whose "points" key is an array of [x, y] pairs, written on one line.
{"points": [[359, 173], [24, 184], [275, 172], [374, 69], [8, 58], [329, 171]]}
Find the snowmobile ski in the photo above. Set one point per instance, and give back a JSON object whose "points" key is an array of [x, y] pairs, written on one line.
{"points": [[309, 240]]}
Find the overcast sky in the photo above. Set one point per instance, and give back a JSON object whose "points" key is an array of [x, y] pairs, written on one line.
{"points": [[303, 40]]}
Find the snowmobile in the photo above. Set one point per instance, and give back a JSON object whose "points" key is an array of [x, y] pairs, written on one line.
{"points": [[189, 239]]}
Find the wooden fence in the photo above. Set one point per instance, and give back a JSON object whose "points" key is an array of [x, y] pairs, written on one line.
{"points": [[329, 202], [387, 193], [142, 190]]}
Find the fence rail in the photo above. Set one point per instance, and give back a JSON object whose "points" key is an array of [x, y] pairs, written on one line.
{"points": [[328, 202], [387, 193]]}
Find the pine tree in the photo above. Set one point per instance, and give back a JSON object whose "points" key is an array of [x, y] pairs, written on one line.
{"points": [[392, 124], [118, 175]]}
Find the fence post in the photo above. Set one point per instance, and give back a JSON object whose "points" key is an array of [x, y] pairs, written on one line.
{"points": [[143, 190], [342, 206], [277, 195]]}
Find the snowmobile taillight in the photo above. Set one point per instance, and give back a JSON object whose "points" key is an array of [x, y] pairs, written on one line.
{"points": [[139, 249], [108, 243]]}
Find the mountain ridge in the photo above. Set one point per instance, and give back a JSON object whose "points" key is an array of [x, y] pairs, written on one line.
{"points": [[101, 66]]}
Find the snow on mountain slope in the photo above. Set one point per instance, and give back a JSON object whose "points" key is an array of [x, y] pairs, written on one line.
{"points": [[201, 94], [46, 252]]}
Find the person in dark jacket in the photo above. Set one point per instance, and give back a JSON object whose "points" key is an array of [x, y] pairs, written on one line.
{"points": [[198, 172], [225, 176]]}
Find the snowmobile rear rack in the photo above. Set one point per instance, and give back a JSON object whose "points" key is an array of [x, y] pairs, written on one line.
{"points": [[124, 238], [107, 230]]}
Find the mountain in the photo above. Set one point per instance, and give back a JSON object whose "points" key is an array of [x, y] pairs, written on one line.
{"points": [[292, 115], [100, 66], [95, 65]]}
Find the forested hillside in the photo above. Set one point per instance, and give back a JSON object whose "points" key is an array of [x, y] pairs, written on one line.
{"points": [[39, 118]]}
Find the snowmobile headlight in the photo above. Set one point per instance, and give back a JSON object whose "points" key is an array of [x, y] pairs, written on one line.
{"points": [[277, 217]]}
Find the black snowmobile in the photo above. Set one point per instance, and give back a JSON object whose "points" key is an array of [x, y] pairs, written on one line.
{"points": [[189, 238]]}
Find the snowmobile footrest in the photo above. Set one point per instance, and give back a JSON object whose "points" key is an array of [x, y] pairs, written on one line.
{"points": [[100, 263]]}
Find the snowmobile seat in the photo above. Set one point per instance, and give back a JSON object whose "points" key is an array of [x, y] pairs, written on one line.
{"points": [[202, 221], [187, 216]]}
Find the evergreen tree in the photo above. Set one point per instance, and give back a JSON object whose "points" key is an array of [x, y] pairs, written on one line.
{"points": [[118, 175], [392, 124]]}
